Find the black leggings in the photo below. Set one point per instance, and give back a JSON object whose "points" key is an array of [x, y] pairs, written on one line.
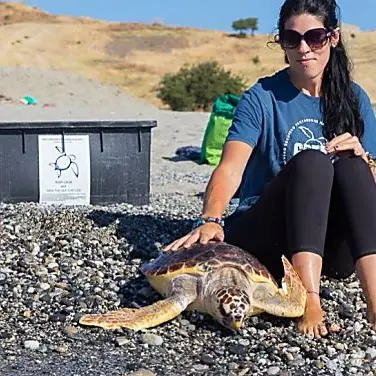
{"points": [[312, 205]]}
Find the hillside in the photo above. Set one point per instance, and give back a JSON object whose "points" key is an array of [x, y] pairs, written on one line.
{"points": [[135, 56]]}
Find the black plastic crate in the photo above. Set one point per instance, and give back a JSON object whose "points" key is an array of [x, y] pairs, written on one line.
{"points": [[119, 160]]}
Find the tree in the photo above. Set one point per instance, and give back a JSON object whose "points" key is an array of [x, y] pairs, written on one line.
{"points": [[245, 24]]}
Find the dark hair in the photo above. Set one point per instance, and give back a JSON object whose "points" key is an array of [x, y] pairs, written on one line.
{"points": [[339, 102]]}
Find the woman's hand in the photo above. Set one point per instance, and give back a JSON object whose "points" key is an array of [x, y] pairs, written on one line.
{"points": [[202, 234], [346, 141]]}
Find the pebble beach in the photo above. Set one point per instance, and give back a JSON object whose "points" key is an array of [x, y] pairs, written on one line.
{"points": [[57, 263]]}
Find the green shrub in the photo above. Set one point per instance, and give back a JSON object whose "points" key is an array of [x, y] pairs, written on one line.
{"points": [[196, 87]]}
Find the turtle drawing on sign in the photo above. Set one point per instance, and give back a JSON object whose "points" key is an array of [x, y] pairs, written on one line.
{"points": [[64, 162]]}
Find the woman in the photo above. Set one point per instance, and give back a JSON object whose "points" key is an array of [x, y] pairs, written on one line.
{"points": [[298, 149]]}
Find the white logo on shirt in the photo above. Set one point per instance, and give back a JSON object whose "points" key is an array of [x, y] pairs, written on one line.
{"points": [[310, 143], [304, 134]]}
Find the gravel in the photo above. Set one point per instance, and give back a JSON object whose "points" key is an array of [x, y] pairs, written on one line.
{"points": [[57, 263], [60, 262]]}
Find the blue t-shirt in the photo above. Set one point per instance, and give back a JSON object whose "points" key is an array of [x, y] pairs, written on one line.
{"points": [[277, 120]]}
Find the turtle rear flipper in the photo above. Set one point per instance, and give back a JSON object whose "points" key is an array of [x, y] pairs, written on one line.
{"points": [[183, 293], [288, 301]]}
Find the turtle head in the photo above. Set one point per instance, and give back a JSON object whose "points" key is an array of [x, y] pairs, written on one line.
{"points": [[230, 306]]}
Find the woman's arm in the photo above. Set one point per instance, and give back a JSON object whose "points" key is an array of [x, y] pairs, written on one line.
{"points": [[226, 178], [222, 186], [369, 136]]}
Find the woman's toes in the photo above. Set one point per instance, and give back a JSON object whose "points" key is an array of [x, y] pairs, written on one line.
{"points": [[323, 330], [316, 332]]}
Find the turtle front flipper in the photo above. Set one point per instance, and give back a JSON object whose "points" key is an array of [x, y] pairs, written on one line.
{"points": [[136, 319], [288, 301], [182, 294]]}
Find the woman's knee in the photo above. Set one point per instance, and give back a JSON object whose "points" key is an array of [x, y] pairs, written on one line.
{"points": [[350, 164], [350, 169], [312, 156], [313, 163]]}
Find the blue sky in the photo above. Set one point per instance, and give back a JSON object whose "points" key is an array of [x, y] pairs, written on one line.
{"points": [[210, 14]]}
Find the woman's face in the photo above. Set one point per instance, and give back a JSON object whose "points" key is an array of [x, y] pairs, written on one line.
{"points": [[307, 62]]}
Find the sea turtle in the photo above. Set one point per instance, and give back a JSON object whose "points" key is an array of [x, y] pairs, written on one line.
{"points": [[217, 278]]}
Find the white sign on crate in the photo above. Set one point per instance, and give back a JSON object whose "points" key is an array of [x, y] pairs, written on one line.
{"points": [[64, 175]]}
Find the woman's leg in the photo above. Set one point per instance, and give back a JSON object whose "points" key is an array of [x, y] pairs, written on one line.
{"points": [[291, 217], [338, 262], [357, 193], [308, 199]]}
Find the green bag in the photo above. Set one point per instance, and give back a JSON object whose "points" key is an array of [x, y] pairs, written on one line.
{"points": [[217, 128]]}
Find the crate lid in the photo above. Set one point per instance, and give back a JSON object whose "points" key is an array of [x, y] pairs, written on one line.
{"points": [[76, 124]]}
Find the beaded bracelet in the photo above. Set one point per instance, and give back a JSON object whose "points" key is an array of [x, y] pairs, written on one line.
{"points": [[370, 161], [201, 221]]}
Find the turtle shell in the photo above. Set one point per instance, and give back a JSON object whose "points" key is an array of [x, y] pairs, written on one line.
{"points": [[200, 259]]}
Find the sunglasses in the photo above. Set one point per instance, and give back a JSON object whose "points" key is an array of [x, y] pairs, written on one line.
{"points": [[315, 38]]}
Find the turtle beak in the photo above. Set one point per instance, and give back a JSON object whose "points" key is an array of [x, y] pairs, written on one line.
{"points": [[237, 325]]}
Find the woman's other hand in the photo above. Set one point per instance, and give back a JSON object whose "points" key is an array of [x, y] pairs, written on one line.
{"points": [[202, 234], [344, 142]]}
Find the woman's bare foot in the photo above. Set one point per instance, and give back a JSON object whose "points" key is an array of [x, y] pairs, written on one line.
{"points": [[312, 322], [365, 269]]}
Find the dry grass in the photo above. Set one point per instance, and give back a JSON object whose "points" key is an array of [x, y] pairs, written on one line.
{"points": [[136, 56]]}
